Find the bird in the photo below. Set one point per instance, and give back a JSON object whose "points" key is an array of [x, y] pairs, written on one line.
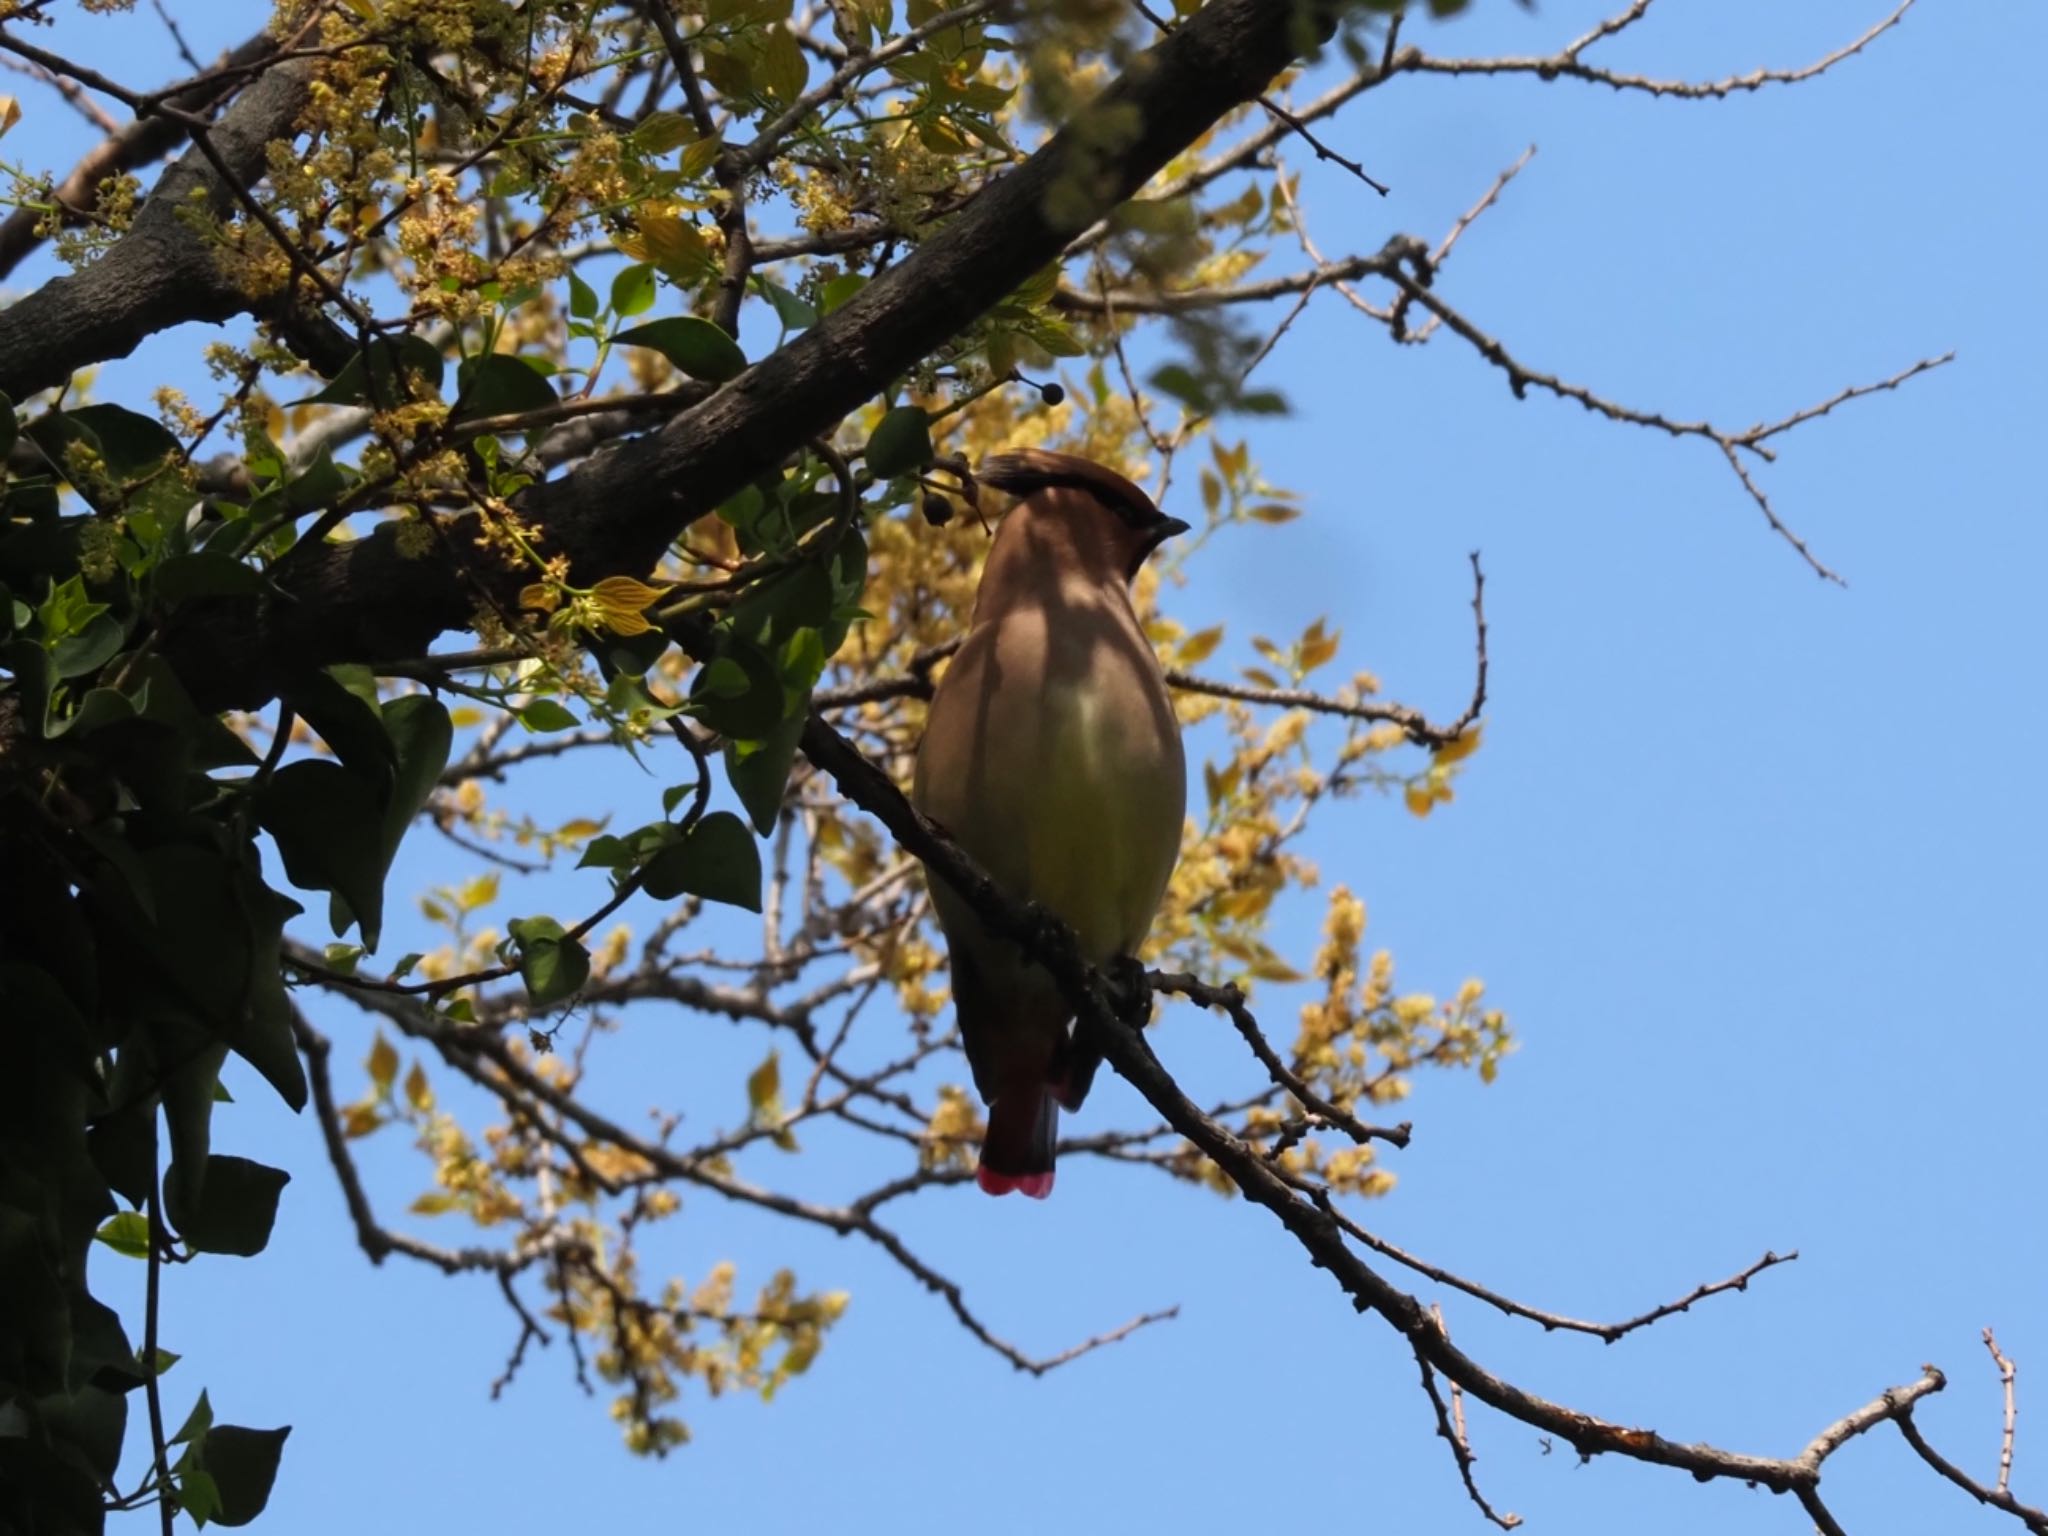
{"points": [[1052, 757]]}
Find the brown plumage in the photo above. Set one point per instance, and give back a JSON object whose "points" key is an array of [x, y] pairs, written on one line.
{"points": [[1053, 757]]}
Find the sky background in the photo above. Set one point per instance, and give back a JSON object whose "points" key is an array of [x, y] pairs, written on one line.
{"points": [[1753, 862]]}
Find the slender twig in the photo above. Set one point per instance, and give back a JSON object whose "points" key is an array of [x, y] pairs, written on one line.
{"points": [[2008, 1374], [1566, 64], [166, 1496], [1450, 1426], [2035, 1520], [1232, 1001]]}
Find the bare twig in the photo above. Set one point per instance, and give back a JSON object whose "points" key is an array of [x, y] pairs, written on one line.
{"points": [[1450, 1425], [1567, 63], [1232, 1001], [2008, 1374]]}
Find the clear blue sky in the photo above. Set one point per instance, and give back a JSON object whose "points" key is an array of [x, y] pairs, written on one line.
{"points": [[1753, 862]]}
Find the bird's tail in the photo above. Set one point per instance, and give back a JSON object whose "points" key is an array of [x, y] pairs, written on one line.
{"points": [[1017, 1151]]}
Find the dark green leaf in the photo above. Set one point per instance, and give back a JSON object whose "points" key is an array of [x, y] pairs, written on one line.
{"points": [[553, 965], [1179, 382], [328, 824], [748, 715], [351, 726], [725, 678], [189, 1094], [100, 707], [123, 1148], [84, 653], [605, 852], [129, 443], [716, 859], [243, 1465], [205, 575], [792, 311], [236, 1207], [499, 384], [901, 443], [422, 735], [318, 486], [413, 354], [696, 346], [759, 771], [582, 299]]}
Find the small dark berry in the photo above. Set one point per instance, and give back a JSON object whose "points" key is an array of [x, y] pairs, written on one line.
{"points": [[937, 510], [1051, 394]]}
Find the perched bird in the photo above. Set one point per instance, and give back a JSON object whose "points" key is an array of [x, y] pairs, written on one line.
{"points": [[1053, 758]]}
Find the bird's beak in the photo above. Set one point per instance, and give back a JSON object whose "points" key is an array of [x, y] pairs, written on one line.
{"points": [[1156, 534]]}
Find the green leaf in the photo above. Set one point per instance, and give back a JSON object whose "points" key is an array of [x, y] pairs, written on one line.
{"points": [[129, 443], [716, 859], [499, 384], [582, 298], [1179, 382], [546, 715], [206, 574], [792, 311], [696, 346], [409, 354], [210, 951], [659, 132], [553, 965], [83, 654], [198, 1495], [243, 1465], [836, 291], [236, 1208], [781, 70], [749, 714], [319, 485], [605, 852], [725, 678], [189, 1096], [901, 443], [421, 734], [350, 724], [328, 823], [197, 1422], [633, 291], [759, 771], [1053, 335], [127, 1234]]}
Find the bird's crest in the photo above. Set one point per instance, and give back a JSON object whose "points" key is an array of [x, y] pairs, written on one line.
{"points": [[1024, 470]]}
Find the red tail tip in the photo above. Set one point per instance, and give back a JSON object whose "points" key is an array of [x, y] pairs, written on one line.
{"points": [[1036, 1185]]}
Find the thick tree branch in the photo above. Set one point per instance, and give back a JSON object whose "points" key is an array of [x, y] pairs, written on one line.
{"points": [[162, 272], [619, 510], [130, 147], [1314, 1227]]}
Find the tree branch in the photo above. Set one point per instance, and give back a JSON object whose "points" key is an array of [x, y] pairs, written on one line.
{"points": [[162, 272], [619, 511]]}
